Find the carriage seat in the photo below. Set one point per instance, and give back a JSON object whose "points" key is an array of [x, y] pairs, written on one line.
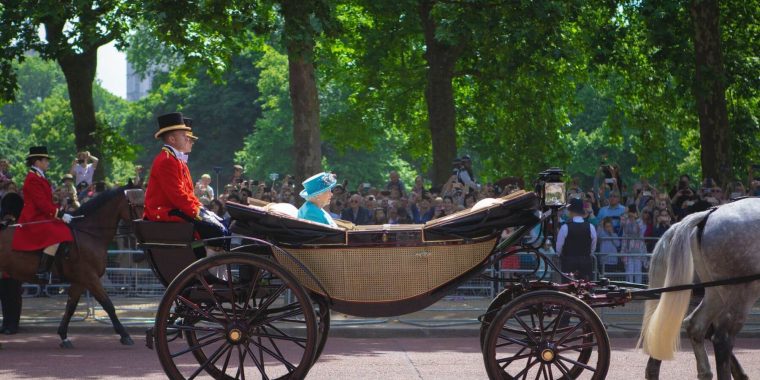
{"points": [[168, 246]]}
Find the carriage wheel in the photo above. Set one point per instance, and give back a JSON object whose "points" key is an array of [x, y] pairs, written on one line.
{"points": [[546, 335], [241, 316], [323, 322], [500, 300]]}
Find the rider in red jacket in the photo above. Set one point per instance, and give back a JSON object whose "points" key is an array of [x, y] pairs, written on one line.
{"points": [[170, 196], [41, 224]]}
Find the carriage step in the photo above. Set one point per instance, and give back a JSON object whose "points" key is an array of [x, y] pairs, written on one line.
{"points": [[149, 338]]}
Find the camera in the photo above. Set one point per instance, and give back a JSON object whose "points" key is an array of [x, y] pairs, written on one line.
{"points": [[274, 176], [365, 185], [609, 180], [647, 193], [217, 169], [80, 161]]}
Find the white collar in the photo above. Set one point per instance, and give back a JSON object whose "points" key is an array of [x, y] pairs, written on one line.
{"points": [[180, 156], [39, 171], [578, 219]]}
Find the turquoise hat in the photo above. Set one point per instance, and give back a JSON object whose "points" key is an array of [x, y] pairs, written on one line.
{"points": [[318, 184]]}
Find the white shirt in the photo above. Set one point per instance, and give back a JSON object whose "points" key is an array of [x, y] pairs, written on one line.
{"points": [[562, 235], [83, 174]]}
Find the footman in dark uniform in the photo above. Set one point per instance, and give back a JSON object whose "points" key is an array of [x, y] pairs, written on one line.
{"points": [[576, 241]]}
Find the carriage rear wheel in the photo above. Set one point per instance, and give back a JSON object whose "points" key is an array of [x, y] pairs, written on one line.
{"points": [[546, 335], [323, 322], [241, 317]]}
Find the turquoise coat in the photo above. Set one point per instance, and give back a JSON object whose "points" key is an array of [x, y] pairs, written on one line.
{"points": [[314, 213]]}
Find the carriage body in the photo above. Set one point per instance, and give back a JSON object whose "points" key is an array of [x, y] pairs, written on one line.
{"points": [[293, 272]]}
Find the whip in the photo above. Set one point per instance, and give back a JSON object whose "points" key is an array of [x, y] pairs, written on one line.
{"points": [[19, 225]]}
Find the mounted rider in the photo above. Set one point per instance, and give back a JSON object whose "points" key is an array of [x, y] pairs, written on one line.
{"points": [[169, 196], [42, 226]]}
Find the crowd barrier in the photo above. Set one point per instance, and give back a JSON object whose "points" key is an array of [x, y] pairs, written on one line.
{"points": [[136, 292]]}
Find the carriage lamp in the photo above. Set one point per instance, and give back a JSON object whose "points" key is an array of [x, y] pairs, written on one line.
{"points": [[554, 187]]}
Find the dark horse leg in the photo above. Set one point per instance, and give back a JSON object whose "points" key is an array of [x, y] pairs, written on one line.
{"points": [[102, 297], [653, 369], [75, 291]]}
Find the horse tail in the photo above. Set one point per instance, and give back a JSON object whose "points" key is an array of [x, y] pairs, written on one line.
{"points": [[672, 264]]}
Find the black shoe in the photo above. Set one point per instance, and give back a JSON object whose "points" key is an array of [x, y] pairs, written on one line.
{"points": [[10, 331], [43, 271]]}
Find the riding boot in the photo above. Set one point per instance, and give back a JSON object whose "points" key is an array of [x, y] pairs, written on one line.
{"points": [[63, 250], [46, 261]]}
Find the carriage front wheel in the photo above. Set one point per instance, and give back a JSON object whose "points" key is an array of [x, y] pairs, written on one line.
{"points": [[546, 335], [236, 316]]}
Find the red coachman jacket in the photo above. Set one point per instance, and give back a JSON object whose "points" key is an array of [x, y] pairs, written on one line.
{"points": [[169, 187], [39, 206]]}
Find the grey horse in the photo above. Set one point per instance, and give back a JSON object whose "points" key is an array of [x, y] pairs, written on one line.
{"points": [[728, 247]]}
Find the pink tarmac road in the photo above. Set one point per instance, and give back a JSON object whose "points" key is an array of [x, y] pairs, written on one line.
{"points": [[98, 356]]}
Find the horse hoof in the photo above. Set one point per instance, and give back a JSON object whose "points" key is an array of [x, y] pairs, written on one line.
{"points": [[127, 341], [66, 344]]}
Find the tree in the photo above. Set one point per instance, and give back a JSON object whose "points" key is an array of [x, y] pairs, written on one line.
{"points": [[73, 32], [213, 33]]}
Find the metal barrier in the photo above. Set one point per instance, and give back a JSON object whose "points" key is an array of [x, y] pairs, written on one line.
{"points": [[135, 290]]}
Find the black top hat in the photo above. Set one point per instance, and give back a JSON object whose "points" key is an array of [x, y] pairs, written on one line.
{"points": [[466, 157], [170, 122], [38, 151], [576, 206], [189, 123]]}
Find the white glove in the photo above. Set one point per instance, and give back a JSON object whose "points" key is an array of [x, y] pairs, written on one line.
{"points": [[66, 218]]}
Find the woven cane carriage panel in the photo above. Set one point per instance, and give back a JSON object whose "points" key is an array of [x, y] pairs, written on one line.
{"points": [[385, 274]]}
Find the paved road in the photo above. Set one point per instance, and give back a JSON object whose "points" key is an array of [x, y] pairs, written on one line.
{"points": [[99, 356]]}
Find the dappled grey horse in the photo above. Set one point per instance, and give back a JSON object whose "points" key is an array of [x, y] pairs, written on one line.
{"points": [[726, 245]]}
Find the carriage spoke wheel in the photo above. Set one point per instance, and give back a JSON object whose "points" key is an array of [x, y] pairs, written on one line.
{"points": [[546, 335], [323, 322], [240, 317]]}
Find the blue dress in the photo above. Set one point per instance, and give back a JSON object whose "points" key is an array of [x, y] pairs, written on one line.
{"points": [[314, 213]]}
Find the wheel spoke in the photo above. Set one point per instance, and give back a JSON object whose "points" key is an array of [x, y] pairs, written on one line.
{"points": [[282, 317], [195, 328], [260, 366], [575, 362], [539, 372], [513, 358], [578, 347], [557, 321], [525, 370], [563, 368], [540, 312], [572, 330], [196, 347], [528, 330], [269, 300], [254, 286], [208, 361], [200, 311], [279, 358], [284, 336], [509, 361], [213, 296], [515, 341], [227, 360], [233, 301]]}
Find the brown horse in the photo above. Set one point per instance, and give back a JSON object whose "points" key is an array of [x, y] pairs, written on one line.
{"points": [[86, 262]]}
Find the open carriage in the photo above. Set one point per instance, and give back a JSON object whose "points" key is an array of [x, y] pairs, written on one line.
{"points": [[262, 310]]}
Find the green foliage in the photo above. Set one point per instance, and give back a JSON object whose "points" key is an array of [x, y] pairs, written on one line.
{"points": [[36, 79], [223, 113]]}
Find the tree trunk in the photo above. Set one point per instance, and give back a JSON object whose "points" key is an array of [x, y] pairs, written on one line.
{"points": [[710, 91], [439, 96], [299, 41], [79, 70]]}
